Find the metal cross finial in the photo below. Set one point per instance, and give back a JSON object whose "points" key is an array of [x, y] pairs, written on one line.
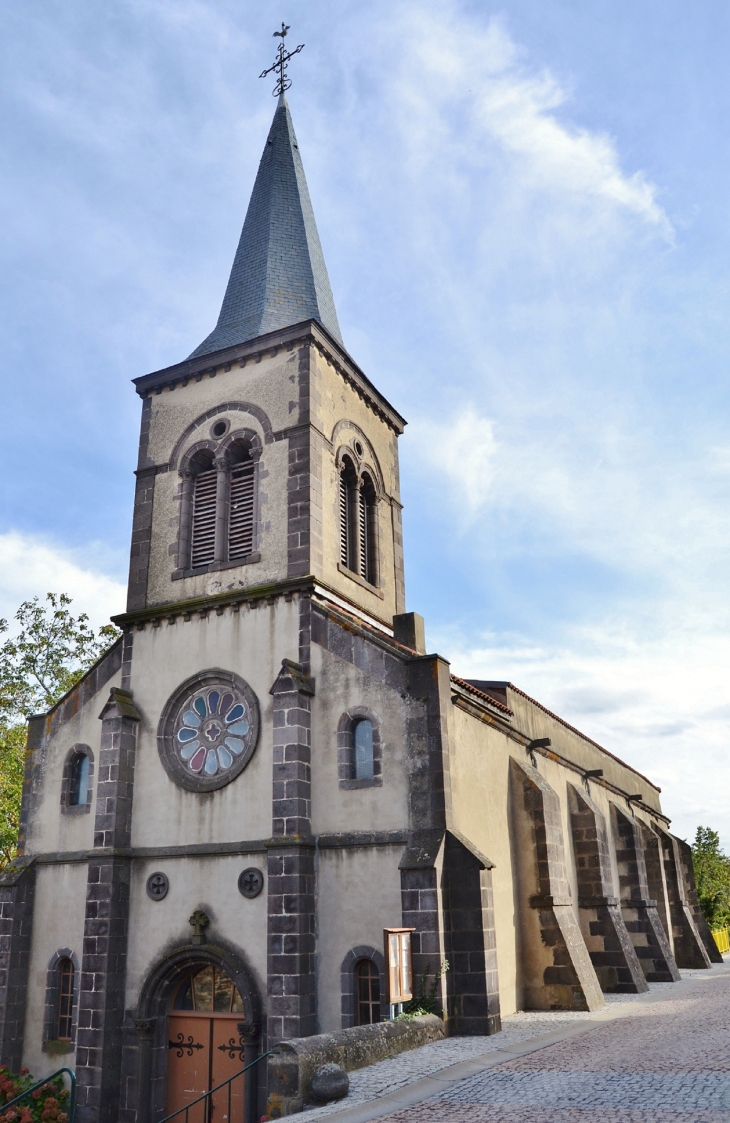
{"points": [[282, 59]]}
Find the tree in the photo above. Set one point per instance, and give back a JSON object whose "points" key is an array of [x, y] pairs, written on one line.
{"points": [[13, 741], [712, 874], [50, 652]]}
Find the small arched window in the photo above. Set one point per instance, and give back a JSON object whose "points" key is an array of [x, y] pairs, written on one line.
{"points": [[364, 754], [358, 537], [78, 792], [64, 1018], [367, 992]]}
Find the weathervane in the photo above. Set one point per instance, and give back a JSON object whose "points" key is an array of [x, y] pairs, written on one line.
{"points": [[282, 82]]}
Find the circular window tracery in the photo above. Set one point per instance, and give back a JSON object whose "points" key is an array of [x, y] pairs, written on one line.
{"points": [[209, 730]]}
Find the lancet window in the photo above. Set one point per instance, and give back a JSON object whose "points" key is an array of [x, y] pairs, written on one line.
{"points": [[76, 785], [64, 1019], [61, 1005], [219, 507], [358, 538], [364, 749], [79, 786]]}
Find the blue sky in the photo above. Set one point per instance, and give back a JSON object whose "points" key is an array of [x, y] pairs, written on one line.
{"points": [[525, 213]]}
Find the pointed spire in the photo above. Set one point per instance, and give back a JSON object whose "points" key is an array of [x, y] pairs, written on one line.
{"points": [[279, 276]]}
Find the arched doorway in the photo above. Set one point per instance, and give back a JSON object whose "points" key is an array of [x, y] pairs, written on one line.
{"points": [[199, 1022], [204, 1045]]}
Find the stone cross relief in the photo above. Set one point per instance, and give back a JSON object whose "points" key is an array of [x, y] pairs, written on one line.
{"points": [[199, 921]]}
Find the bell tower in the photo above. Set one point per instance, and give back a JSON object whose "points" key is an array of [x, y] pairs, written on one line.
{"points": [[267, 456]]}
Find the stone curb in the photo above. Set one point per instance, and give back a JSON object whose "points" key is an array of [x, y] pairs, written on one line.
{"points": [[427, 1086]]}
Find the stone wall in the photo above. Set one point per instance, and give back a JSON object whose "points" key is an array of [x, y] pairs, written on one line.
{"points": [[290, 1071]]}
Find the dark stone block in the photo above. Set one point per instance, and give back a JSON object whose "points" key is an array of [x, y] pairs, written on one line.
{"points": [[330, 1082]]}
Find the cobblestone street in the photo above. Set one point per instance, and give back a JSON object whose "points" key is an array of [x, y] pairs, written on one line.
{"points": [[666, 1059]]}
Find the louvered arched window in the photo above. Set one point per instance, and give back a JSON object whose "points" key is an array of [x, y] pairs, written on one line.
{"points": [[348, 524], [367, 553], [240, 507], [205, 486], [220, 501], [358, 537]]}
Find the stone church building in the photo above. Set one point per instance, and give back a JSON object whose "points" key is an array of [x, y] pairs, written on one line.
{"points": [[269, 768]]}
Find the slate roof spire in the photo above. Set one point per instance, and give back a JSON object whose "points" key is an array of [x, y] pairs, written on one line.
{"points": [[279, 276]]}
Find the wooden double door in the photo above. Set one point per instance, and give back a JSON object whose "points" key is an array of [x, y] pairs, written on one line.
{"points": [[204, 1050]]}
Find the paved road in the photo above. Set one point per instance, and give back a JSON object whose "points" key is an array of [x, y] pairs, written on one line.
{"points": [[668, 1062]]}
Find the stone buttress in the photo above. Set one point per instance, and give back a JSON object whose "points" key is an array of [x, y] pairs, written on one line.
{"points": [[609, 944], [558, 972], [638, 907]]}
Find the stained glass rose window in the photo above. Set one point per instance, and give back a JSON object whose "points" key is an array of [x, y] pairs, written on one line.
{"points": [[209, 730]]}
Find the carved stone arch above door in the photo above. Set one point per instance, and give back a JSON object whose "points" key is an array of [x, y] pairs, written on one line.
{"points": [[154, 1007]]}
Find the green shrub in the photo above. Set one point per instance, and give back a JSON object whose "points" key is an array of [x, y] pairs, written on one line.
{"points": [[47, 1104], [425, 1000]]}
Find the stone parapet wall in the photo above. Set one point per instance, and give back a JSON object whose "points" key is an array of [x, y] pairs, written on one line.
{"points": [[290, 1071]]}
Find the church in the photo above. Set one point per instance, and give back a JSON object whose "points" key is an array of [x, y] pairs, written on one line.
{"points": [[269, 782]]}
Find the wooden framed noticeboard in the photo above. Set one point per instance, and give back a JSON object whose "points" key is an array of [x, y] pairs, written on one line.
{"points": [[399, 964]]}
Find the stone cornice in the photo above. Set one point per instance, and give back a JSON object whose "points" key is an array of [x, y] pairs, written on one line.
{"points": [[345, 840], [234, 599], [310, 331], [202, 605]]}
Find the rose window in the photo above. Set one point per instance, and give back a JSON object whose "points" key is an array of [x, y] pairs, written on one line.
{"points": [[209, 730], [212, 732]]}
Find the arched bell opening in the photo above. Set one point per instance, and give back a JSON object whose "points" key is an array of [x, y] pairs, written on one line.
{"points": [[198, 1023]]}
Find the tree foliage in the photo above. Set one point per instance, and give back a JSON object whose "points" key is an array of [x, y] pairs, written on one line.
{"points": [[50, 650], [712, 874], [12, 760]]}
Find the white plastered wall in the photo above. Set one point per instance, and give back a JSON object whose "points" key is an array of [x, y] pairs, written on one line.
{"points": [[340, 685], [50, 831], [58, 922], [210, 883], [251, 643], [358, 895]]}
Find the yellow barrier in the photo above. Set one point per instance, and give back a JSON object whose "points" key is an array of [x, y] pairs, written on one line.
{"points": [[722, 939]]}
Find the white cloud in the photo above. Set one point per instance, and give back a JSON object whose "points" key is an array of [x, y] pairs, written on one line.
{"points": [[465, 90], [647, 676], [663, 706], [465, 457], [31, 566]]}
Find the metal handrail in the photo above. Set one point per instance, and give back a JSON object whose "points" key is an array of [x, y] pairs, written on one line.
{"points": [[207, 1095], [40, 1083]]}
